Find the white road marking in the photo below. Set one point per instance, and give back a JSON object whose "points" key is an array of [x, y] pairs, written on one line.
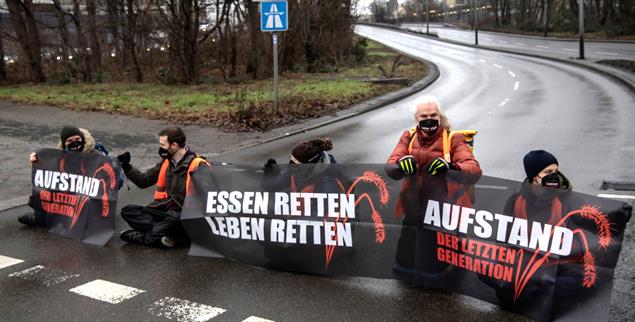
{"points": [[482, 61], [502, 41], [540, 46], [256, 319], [497, 66], [516, 85], [504, 102], [172, 308], [511, 73], [105, 291], [605, 53], [488, 39], [569, 49], [484, 186], [6, 261], [44, 275], [520, 44], [606, 195]]}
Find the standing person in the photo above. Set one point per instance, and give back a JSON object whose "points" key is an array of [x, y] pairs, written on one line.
{"points": [[72, 139], [158, 222], [429, 151]]}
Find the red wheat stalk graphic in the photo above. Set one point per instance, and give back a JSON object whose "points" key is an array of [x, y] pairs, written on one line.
{"points": [[371, 177], [589, 212], [105, 210]]}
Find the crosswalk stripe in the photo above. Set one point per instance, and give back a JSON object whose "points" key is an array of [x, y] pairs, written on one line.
{"points": [[44, 275], [172, 308], [256, 319], [6, 261], [105, 291]]}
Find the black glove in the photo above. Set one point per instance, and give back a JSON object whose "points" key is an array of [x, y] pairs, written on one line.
{"points": [[439, 165], [407, 164], [271, 167], [124, 160]]}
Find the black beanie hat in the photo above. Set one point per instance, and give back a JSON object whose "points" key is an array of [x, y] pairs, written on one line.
{"points": [[311, 151], [68, 131], [535, 161]]}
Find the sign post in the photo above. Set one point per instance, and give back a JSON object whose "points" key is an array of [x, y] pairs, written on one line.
{"points": [[274, 16]]}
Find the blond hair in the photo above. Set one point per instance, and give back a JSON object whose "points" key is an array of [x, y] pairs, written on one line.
{"points": [[429, 99]]}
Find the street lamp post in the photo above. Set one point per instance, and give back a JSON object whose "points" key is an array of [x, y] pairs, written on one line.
{"points": [[581, 22], [476, 22], [428, 17]]}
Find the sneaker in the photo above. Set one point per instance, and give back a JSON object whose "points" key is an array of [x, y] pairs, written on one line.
{"points": [[133, 236], [30, 220], [168, 241]]}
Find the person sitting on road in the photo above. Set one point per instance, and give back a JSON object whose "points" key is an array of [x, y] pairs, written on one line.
{"points": [[312, 170], [420, 152], [72, 139], [544, 197], [158, 223], [308, 152]]}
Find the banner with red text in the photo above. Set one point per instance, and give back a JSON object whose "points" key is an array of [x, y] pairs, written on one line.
{"points": [[76, 192], [545, 253]]}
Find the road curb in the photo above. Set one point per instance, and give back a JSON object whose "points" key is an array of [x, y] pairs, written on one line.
{"points": [[548, 38], [363, 107], [357, 109], [612, 73], [13, 203]]}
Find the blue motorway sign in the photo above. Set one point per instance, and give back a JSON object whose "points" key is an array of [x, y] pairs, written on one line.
{"points": [[274, 16]]}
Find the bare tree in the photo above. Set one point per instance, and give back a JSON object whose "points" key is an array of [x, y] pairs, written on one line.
{"points": [[95, 47], [256, 64], [24, 25], [3, 73]]}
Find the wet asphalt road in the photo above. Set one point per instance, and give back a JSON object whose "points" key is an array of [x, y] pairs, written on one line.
{"points": [[562, 48], [583, 118]]}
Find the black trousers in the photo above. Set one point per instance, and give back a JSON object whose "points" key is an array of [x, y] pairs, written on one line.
{"points": [[155, 223]]}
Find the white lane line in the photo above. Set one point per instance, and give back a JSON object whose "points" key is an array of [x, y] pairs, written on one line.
{"points": [[485, 186], [540, 46], [569, 49], [516, 85], [172, 308], [502, 41], [497, 66], [520, 44], [488, 39], [256, 319], [482, 61], [43, 275], [511, 73], [606, 195], [504, 102], [105, 291], [6, 261], [605, 53]]}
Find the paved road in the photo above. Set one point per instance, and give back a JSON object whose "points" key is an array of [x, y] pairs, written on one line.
{"points": [[563, 48], [516, 103]]}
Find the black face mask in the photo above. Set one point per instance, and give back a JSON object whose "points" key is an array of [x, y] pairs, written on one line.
{"points": [[429, 126], [552, 180], [75, 146], [164, 153]]}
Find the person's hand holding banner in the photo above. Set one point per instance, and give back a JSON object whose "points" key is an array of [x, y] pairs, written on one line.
{"points": [[407, 164]]}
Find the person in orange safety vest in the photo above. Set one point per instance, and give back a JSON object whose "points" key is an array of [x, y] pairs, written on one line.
{"points": [[158, 223]]}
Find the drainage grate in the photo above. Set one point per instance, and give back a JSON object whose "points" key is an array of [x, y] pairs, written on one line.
{"points": [[620, 186]]}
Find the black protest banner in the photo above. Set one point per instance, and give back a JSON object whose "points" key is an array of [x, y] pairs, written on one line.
{"points": [[77, 194], [545, 253]]}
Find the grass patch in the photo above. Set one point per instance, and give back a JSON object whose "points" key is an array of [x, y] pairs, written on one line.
{"points": [[236, 107]]}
